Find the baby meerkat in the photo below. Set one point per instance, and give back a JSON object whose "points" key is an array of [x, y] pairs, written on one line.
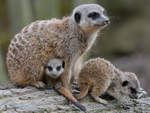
{"points": [[100, 76], [53, 70]]}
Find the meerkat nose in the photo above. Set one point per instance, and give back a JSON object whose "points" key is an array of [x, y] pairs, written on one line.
{"points": [[107, 21]]}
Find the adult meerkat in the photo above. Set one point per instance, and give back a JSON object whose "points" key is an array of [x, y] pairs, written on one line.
{"points": [[101, 76], [67, 38]]}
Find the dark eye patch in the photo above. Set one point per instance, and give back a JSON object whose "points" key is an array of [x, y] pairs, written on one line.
{"points": [[125, 83], [77, 17], [94, 15], [58, 68], [133, 90], [49, 68]]}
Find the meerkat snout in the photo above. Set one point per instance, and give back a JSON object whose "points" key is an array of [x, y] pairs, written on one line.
{"points": [[99, 19], [54, 68]]}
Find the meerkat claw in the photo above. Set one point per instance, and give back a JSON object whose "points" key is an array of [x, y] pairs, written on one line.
{"points": [[39, 85], [81, 107], [100, 100]]}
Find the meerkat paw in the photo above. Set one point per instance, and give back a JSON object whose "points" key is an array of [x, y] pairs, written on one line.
{"points": [[79, 96], [39, 85], [100, 100]]}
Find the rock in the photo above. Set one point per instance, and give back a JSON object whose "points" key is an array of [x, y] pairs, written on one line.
{"points": [[29, 100]]}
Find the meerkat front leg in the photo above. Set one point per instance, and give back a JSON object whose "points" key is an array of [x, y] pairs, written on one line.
{"points": [[84, 88], [64, 91], [65, 80], [66, 77], [114, 93]]}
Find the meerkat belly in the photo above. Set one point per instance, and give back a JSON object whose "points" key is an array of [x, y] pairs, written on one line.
{"points": [[70, 49]]}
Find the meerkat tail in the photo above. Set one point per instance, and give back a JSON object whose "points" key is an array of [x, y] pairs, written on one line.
{"points": [[69, 96]]}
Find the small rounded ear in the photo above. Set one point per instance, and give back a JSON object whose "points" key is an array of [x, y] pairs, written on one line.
{"points": [[63, 64], [77, 17], [125, 83]]}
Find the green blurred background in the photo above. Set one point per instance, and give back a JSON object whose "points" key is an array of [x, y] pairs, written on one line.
{"points": [[125, 42]]}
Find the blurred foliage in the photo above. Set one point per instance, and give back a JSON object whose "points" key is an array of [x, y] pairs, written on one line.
{"points": [[128, 33], [2, 70]]}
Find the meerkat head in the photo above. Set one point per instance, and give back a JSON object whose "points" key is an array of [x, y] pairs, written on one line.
{"points": [[90, 17], [54, 68], [131, 85]]}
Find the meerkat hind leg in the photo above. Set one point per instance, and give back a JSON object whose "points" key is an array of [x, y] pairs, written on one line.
{"points": [[96, 92], [84, 90], [39, 84]]}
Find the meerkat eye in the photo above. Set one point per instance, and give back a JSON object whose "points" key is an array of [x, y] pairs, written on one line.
{"points": [[125, 83], [133, 90], [77, 17], [58, 68], [94, 15], [63, 64], [49, 68]]}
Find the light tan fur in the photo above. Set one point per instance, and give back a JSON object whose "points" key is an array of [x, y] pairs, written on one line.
{"points": [[101, 76]]}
